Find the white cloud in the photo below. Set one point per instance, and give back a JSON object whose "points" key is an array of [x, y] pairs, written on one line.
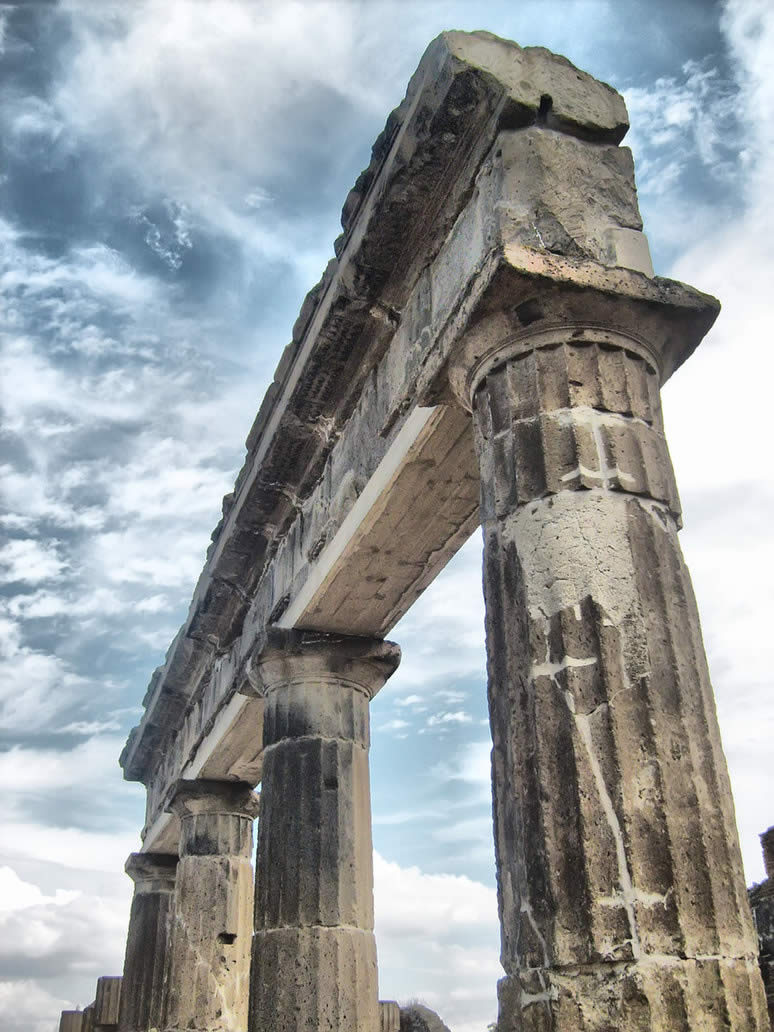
{"points": [[27, 1007], [72, 847], [35, 686], [52, 770], [170, 92], [716, 413], [449, 717], [394, 725], [16, 894], [28, 561], [438, 937]]}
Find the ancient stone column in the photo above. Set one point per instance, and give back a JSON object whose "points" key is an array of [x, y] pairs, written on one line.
{"points": [[762, 903], [314, 955], [212, 921], [621, 890], [143, 988], [107, 1003]]}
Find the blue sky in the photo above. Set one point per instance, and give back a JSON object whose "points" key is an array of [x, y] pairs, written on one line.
{"points": [[171, 179]]}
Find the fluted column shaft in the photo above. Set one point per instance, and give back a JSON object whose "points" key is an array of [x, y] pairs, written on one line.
{"points": [[211, 928], [621, 891], [145, 963], [314, 958]]}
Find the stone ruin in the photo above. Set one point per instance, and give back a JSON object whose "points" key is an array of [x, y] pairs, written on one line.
{"points": [[762, 905], [486, 348]]}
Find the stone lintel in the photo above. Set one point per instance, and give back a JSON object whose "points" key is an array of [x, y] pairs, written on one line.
{"points": [[152, 872], [312, 657], [536, 298]]}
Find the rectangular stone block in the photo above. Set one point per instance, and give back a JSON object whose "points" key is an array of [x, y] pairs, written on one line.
{"points": [[71, 1021], [107, 1002], [389, 1016]]}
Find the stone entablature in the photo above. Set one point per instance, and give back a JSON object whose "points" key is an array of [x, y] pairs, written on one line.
{"points": [[523, 218], [466, 90]]}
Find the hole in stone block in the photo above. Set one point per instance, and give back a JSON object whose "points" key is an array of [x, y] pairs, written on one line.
{"points": [[546, 103], [528, 311], [229, 938]]}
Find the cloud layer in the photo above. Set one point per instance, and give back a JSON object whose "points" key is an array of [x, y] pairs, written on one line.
{"points": [[170, 187]]}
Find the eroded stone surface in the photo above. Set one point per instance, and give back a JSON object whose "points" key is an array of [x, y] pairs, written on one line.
{"points": [[389, 1016], [143, 990], [619, 874], [762, 904], [72, 1021], [212, 920], [314, 954], [107, 1002]]}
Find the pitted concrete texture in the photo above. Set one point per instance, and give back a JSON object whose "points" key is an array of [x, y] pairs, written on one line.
{"points": [[619, 874], [313, 978], [314, 956], [143, 988], [212, 920], [762, 904]]}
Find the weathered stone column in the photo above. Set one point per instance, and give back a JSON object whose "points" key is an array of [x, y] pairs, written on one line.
{"points": [[762, 904], [145, 962], [107, 1003], [314, 956], [621, 891], [212, 921], [72, 1021]]}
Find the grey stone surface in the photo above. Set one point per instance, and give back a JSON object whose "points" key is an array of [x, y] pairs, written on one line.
{"points": [[314, 954], [212, 920], [143, 990], [762, 904], [620, 883], [72, 1021], [389, 1016], [107, 1002]]}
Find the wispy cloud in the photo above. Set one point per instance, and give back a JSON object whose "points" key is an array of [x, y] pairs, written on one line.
{"points": [[171, 184]]}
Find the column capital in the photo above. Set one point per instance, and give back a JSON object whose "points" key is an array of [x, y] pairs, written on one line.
{"points": [[152, 872], [192, 798], [537, 300], [294, 657]]}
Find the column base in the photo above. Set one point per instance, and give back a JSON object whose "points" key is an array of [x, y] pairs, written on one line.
{"points": [[653, 995], [313, 980]]}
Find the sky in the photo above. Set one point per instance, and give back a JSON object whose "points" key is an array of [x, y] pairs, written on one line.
{"points": [[171, 179]]}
